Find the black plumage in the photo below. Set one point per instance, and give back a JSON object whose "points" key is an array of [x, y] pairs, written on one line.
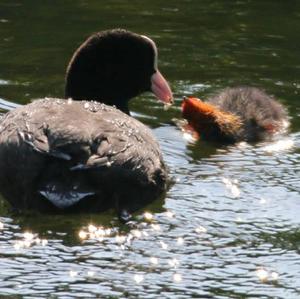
{"points": [[59, 155]]}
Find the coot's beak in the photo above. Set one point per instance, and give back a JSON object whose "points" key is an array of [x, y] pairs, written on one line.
{"points": [[161, 88]]}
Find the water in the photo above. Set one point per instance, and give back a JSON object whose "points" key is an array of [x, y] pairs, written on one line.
{"points": [[229, 227]]}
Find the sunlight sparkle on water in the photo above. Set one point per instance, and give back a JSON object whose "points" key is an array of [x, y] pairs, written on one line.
{"points": [[28, 241], [173, 263], [18, 245], [107, 232], [238, 219], [274, 275], [136, 233], [120, 239], [44, 242], [94, 232], [262, 274], [163, 245], [170, 214], [155, 227], [138, 278], [188, 137], [1, 225], [177, 277], [180, 241], [92, 228], [262, 201], [100, 232], [154, 260], [28, 236], [129, 238], [200, 229], [232, 186], [82, 235], [73, 273], [242, 145], [280, 145], [92, 236], [91, 273], [148, 216]]}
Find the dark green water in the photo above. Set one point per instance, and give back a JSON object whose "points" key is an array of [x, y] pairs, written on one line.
{"points": [[233, 213]]}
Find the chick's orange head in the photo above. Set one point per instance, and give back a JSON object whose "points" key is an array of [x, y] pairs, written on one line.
{"points": [[197, 112], [205, 118]]}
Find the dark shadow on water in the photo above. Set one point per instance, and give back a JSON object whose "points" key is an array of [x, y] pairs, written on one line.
{"points": [[288, 239], [203, 149], [67, 226]]}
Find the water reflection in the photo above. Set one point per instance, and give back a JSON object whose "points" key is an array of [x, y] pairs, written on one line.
{"points": [[229, 226]]}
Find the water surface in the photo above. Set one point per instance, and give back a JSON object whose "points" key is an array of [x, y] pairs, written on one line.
{"points": [[229, 227]]}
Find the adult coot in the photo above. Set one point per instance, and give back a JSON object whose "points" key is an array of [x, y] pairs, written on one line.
{"points": [[236, 114], [66, 155]]}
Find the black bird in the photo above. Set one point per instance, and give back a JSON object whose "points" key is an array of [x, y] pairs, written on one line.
{"points": [[236, 114], [80, 153]]}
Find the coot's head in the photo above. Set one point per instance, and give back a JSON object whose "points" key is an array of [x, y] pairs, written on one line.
{"points": [[114, 66]]}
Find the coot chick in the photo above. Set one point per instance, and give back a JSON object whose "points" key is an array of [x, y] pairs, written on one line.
{"points": [[236, 114], [60, 155]]}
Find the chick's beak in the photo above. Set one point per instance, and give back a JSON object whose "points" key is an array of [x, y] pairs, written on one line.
{"points": [[161, 88]]}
